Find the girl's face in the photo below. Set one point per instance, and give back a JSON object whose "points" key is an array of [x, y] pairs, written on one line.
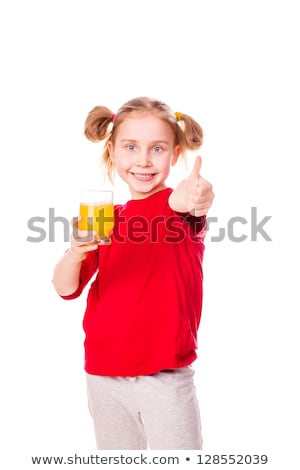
{"points": [[143, 153]]}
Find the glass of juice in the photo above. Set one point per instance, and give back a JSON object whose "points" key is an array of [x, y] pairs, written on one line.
{"points": [[97, 213]]}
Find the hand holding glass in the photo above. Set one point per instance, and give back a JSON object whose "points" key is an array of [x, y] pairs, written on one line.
{"points": [[97, 213]]}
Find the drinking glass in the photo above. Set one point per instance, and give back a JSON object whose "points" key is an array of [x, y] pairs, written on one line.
{"points": [[97, 213]]}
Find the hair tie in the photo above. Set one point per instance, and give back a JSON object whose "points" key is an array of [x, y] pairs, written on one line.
{"points": [[178, 116], [113, 117]]}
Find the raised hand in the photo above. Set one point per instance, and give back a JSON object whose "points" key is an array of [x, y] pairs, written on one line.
{"points": [[82, 241], [198, 192]]}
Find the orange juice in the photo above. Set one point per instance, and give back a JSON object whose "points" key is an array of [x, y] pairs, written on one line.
{"points": [[98, 217]]}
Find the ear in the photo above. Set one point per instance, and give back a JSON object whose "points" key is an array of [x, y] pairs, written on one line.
{"points": [[110, 149], [176, 153]]}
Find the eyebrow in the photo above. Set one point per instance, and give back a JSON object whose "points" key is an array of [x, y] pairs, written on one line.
{"points": [[158, 141]]}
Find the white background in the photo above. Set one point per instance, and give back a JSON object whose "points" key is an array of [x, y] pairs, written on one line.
{"points": [[233, 66]]}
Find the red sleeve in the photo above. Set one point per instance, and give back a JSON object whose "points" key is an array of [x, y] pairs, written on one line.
{"points": [[197, 224], [88, 267]]}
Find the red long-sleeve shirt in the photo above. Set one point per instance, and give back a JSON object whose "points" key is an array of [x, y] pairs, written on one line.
{"points": [[144, 306]]}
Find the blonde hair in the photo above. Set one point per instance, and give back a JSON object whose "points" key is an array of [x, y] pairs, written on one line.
{"points": [[102, 124]]}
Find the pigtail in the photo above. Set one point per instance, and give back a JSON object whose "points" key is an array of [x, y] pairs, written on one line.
{"points": [[97, 124], [193, 132]]}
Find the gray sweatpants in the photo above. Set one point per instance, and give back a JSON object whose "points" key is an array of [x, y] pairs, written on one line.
{"points": [[157, 411]]}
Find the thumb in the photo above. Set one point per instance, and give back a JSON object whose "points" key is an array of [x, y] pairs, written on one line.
{"points": [[195, 173]]}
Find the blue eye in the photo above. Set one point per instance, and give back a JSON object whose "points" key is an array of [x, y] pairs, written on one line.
{"points": [[157, 148], [130, 147]]}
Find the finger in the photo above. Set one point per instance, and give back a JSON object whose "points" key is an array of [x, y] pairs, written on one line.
{"points": [[84, 236], [79, 253], [85, 233], [74, 222], [195, 173], [91, 247], [199, 210]]}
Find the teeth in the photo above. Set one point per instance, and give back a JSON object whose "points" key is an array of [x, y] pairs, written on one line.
{"points": [[142, 176]]}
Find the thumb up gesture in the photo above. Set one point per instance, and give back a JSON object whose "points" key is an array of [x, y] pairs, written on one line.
{"points": [[199, 194], [194, 194]]}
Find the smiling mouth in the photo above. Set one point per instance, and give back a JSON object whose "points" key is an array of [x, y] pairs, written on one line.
{"points": [[143, 176]]}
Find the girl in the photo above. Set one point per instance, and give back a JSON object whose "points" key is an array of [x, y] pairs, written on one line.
{"points": [[144, 307]]}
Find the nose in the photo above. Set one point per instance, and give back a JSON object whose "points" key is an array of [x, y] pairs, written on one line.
{"points": [[144, 159]]}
